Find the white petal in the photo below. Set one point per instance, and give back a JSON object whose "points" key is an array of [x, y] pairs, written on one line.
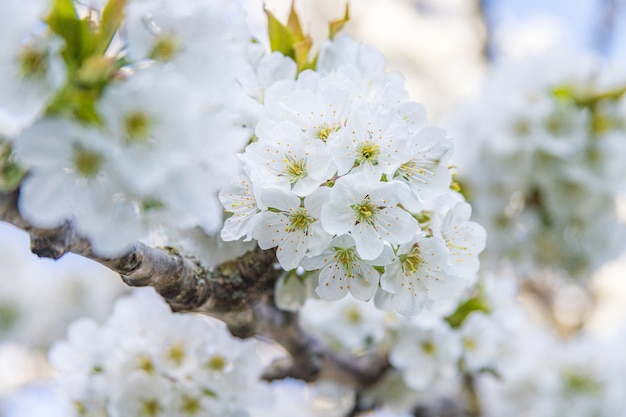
{"points": [[369, 244], [333, 282]]}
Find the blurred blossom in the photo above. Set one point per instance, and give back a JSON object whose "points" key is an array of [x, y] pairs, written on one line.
{"points": [[39, 297]]}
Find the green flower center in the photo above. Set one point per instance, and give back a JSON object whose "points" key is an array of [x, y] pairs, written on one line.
{"points": [[353, 315], [347, 257], [33, 62], [325, 130], [295, 170], [190, 406], [150, 408], [299, 220], [137, 126], [176, 353], [367, 152], [429, 348], [469, 344], [145, 364], [165, 48], [87, 162], [217, 363], [411, 261], [365, 211], [522, 127]]}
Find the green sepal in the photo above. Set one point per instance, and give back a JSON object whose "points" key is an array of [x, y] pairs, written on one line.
{"points": [[476, 303], [423, 217], [337, 25], [293, 23], [79, 35], [96, 72], [112, 16], [281, 37], [379, 269], [11, 173], [75, 102], [460, 186], [302, 50], [290, 40]]}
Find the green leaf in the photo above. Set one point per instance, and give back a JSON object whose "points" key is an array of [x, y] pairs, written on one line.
{"points": [[477, 303], [281, 37], [80, 37], [335, 26], [63, 9], [291, 41], [112, 16]]}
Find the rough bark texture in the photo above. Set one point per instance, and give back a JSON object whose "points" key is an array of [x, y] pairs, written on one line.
{"points": [[182, 282], [239, 292]]}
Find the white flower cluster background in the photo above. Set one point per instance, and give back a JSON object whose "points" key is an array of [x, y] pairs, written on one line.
{"points": [[443, 184]]}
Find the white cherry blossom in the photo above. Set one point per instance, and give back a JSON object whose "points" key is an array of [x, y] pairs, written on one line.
{"points": [[418, 274], [426, 171], [294, 227], [31, 65], [464, 239], [282, 157], [343, 271], [370, 143], [239, 199], [369, 212], [425, 354]]}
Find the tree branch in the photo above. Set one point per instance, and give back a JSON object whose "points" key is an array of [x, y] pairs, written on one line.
{"points": [[239, 292], [310, 358], [183, 282]]}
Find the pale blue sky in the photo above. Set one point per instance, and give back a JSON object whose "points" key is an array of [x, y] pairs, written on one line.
{"points": [[583, 20]]}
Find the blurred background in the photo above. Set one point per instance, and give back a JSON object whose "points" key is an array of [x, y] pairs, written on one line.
{"points": [[447, 49], [444, 49]]}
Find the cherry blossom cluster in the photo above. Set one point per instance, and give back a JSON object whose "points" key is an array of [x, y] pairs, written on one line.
{"points": [[428, 353], [518, 365], [141, 135], [539, 372], [346, 176], [542, 164], [147, 361]]}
